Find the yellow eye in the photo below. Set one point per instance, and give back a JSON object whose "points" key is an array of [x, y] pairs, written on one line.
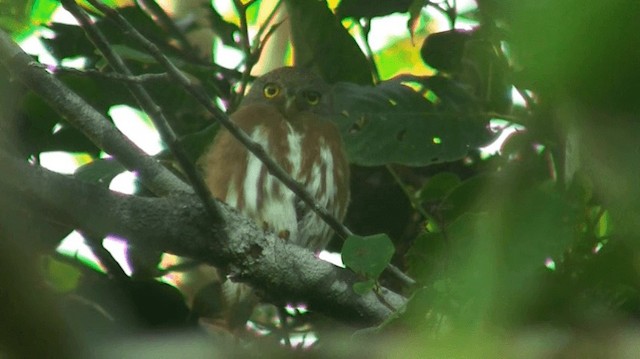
{"points": [[271, 90], [313, 98]]}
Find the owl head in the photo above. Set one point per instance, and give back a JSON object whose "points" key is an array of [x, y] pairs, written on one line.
{"points": [[292, 90]]}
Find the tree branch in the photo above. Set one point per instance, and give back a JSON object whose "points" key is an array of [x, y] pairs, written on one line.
{"points": [[112, 75], [252, 146], [179, 224], [147, 103], [86, 119]]}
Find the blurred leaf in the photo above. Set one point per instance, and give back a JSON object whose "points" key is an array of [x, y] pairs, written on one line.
{"points": [[367, 256], [425, 253], [101, 171], [391, 123], [466, 197], [320, 41], [603, 227], [69, 42], [196, 143], [475, 60], [369, 9], [253, 12], [364, 287], [42, 11], [534, 225], [581, 188], [438, 186], [601, 68], [415, 10], [443, 50], [223, 29], [62, 276], [485, 70], [400, 56], [21, 17]]}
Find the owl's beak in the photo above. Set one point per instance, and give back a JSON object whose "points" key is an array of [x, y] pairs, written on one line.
{"points": [[290, 106]]}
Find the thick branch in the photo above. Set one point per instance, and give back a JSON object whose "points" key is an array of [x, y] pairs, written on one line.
{"points": [[180, 225], [86, 119], [252, 146]]}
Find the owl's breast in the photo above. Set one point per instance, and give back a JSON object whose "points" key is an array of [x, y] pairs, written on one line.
{"points": [[309, 150]]}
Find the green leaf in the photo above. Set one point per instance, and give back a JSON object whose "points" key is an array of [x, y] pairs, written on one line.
{"points": [[369, 9], [466, 197], [101, 171], [22, 17], [438, 186], [367, 256], [426, 255], [196, 143], [62, 276], [362, 288], [320, 41], [42, 11], [534, 225], [392, 123]]}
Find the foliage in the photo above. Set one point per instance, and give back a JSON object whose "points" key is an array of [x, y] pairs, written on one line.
{"points": [[544, 232], [368, 257]]}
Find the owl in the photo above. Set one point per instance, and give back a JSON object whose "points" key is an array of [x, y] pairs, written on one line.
{"points": [[287, 112]]}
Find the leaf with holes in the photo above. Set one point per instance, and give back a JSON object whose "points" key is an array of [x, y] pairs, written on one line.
{"points": [[367, 256], [392, 123]]}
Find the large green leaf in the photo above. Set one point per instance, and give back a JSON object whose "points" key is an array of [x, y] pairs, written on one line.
{"points": [[320, 40], [392, 123]]}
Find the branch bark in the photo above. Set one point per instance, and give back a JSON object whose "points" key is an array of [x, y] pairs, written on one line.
{"points": [[179, 224]]}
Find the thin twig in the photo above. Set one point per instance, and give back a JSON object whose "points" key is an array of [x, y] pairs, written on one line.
{"points": [[241, 9], [440, 9], [253, 53], [105, 257], [412, 199], [364, 31], [267, 21], [252, 146], [452, 12], [113, 75], [150, 107], [284, 326], [167, 23]]}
